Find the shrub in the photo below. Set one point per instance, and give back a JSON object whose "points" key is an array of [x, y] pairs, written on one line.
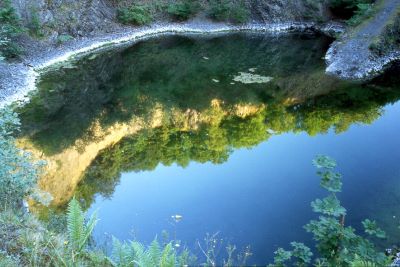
{"points": [[355, 11], [35, 28], [363, 12], [9, 29], [135, 14], [234, 11], [62, 38], [183, 10], [18, 174]]}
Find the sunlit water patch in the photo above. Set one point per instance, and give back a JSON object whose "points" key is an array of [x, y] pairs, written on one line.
{"points": [[213, 134]]}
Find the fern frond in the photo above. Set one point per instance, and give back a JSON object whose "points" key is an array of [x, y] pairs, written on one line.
{"points": [[87, 230], [122, 254], [154, 252], [168, 256], [140, 254], [75, 224], [78, 231]]}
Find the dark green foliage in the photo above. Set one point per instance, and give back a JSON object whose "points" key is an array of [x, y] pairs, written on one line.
{"points": [[135, 14], [348, 4], [363, 12], [226, 10], [9, 29], [337, 244], [183, 10], [355, 11]]}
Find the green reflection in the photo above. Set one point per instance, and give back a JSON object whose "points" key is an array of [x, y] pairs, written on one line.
{"points": [[203, 114]]}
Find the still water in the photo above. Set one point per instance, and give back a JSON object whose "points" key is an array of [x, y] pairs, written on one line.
{"points": [[192, 135]]}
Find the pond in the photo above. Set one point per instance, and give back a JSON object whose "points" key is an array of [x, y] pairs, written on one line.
{"points": [[187, 135]]}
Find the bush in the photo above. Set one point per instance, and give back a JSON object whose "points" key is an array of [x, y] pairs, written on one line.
{"points": [[355, 11], [9, 29], [135, 14], [363, 12], [183, 10], [18, 174], [35, 28], [222, 10], [62, 38]]}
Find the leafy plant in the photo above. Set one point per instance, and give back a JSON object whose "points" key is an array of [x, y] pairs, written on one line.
{"points": [[78, 231], [183, 10], [18, 172], [9, 29], [62, 38], [35, 28], [337, 244], [135, 14], [135, 254], [234, 11], [363, 12]]}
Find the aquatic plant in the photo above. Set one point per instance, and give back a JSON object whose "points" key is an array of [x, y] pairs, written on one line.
{"points": [[337, 244], [249, 78]]}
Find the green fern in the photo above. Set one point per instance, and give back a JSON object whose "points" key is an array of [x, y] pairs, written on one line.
{"points": [[168, 256], [154, 252], [78, 231], [122, 254], [135, 254]]}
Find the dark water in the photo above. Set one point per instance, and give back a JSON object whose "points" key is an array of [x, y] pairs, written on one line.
{"points": [[233, 159]]}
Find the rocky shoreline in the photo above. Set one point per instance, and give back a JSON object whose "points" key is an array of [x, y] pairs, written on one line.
{"points": [[18, 79]]}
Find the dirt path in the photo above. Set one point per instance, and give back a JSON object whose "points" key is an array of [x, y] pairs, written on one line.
{"points": [[351, 57]]}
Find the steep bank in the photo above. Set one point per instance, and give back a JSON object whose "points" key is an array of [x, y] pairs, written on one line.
{"points": [[91, 17]]}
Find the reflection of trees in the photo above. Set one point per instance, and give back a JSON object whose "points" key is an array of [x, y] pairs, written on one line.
{"points": [[172, 74], [170, 71], [215, 141]]}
